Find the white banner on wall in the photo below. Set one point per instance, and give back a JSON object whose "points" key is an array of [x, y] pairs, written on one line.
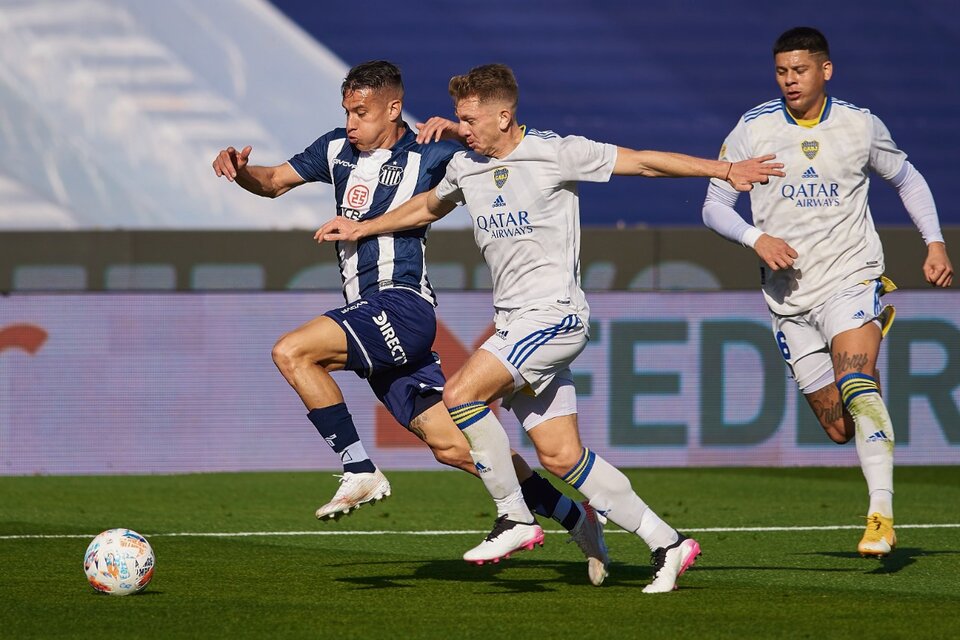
{"points": [[124, 383]]}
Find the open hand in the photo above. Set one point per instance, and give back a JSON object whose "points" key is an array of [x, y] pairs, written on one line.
{"points": [[743, 174]]}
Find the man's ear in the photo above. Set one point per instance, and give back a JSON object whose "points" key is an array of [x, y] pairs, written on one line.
{"points": [[395, 108], [504, 120], [827, 70]]}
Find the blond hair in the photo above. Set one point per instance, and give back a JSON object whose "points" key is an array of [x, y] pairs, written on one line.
{"points": [[489, 82]]}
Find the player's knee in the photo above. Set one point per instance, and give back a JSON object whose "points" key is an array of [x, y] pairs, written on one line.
{"points": [[455, 394], [285, 354], [559, 461]]}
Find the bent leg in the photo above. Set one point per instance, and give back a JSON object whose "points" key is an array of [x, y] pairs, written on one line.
{"points": [[611, 494], [481, 380], [437, 430], [855, 357], [608, 489], [305, 356], [835, 420]]}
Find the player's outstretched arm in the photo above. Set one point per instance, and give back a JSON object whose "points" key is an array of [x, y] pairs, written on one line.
{"points": [[436, 129], [663, 164], [937, 268], [268, 182], [417, 212]]}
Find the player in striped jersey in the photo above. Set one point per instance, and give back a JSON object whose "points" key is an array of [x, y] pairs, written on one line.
{"points": [[385, 331], [821, 260], [520, 186]]}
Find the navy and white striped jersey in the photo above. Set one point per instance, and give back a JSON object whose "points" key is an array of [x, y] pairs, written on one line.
{"points": [[366, 185]]}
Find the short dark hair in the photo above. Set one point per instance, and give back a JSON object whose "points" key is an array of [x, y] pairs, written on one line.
{"points": [[375, 74], [802, 39], [486, 82]]}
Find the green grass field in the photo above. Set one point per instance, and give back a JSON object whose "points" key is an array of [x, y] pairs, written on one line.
{"points": [[376, 574]]}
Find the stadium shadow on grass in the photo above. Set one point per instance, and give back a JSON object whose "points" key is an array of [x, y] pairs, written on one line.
{"points": [[741, 567], [507, 576], [901, 557]]}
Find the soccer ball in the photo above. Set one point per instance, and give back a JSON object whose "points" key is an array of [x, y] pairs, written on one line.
{"points": [[119, 562]]}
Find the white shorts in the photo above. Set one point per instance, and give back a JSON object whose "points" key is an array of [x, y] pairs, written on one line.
{"points": [[536, 346], [804, 339], [559, 398]]}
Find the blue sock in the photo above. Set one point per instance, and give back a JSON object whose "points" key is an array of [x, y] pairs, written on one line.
{"points": [[335, 424], [546, 500]]}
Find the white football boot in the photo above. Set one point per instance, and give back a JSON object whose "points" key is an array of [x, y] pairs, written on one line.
{"points": [[669, 563], [588, 534], [355, 489], [508, 536]]}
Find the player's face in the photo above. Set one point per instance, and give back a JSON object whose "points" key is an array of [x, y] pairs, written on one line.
{"points": [[371, 118], [802, 77], [482, 124]]}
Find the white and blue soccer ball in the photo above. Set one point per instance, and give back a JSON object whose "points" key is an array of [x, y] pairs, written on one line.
{"points": [[119, 562]]}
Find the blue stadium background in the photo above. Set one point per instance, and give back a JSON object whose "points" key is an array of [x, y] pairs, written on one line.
{"points": [[672, 76]]}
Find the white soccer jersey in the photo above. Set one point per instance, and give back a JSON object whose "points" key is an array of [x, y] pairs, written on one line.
{"points": [[526, 215], [820, 207]]}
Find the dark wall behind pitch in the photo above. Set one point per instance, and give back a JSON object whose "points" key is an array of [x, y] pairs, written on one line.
{"points": [[644, 259]]}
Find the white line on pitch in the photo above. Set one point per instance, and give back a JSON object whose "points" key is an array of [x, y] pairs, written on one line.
{"points": [[256, 534]]}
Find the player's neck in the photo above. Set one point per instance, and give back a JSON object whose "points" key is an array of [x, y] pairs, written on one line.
{"points": [[392, 136], [811, 115], [510, 141]]}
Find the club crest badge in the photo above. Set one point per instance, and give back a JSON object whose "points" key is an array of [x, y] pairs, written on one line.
{"points": [[500, 176], [390, 175], [810, 148]]}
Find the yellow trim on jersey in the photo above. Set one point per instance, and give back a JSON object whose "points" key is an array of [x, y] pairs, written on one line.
{"points": [[811, 123]]}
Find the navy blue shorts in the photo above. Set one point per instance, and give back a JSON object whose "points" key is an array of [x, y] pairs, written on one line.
{"points": [[390, 338]]}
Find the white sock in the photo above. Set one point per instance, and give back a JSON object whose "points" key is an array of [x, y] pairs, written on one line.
{"points": [[490, 450], [881, 501], [610, 493], [874, 438]]}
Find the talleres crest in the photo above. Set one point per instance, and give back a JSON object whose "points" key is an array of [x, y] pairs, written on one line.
{"points": [[810, 148], [391, 175]]}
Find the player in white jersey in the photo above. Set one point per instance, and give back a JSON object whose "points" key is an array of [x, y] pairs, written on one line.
{"points": [[520, 186], [386, 330], [821, 260]]}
